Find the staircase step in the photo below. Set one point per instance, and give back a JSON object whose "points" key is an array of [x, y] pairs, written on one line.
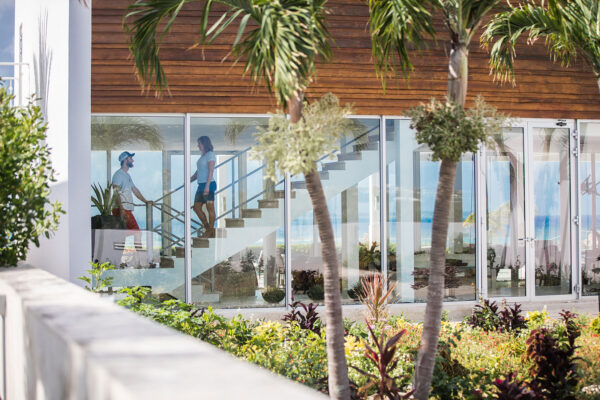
{"points": [[167, 262], [280, 194], [370, 146], [298, 185], [350, 156], [179, 252], [268, 203], [337, 166], [251, 213], [234, 222], [324, 174], [220, 233], [200, 243]]}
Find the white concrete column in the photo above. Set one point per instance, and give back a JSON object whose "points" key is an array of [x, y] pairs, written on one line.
{"points": [[405, 224], [57, 46]]}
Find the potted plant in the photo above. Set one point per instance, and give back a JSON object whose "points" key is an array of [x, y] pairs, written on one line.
{"points": [[105, 200]]}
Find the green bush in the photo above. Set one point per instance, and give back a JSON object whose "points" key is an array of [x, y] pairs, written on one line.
{"points": [[25, 173], [595, 325], [316, 293], [273, 295]]}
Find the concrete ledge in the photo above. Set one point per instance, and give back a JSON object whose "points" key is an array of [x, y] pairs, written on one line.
{"points": [[65, 343], [416, 311]]}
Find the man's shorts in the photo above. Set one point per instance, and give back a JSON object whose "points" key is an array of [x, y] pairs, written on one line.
{"points": [[200, 197], [130, 222]]}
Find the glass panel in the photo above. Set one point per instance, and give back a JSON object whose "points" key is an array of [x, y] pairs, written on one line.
{"points": [[144, 241], [505, 189], [412, 183], [237, 253], [552, 218], [589, 179], [351, 186]]}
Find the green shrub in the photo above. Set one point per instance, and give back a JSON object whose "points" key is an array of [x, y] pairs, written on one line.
{"points": [[316, 292], [595, 325], [26, 213], [273, 295]]}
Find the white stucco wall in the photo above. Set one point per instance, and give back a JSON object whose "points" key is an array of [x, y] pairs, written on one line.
{"points": [[67, 52]]}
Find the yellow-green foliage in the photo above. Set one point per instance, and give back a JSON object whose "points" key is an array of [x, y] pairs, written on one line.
{"points": [[536, 319], [295, 148], [595, 325]]}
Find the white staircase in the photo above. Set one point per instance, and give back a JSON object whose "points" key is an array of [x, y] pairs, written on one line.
{"points": [[337, 176]]}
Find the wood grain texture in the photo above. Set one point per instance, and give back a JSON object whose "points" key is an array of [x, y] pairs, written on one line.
{"points": [[201, 82]]}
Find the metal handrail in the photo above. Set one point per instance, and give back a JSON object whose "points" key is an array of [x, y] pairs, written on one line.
{"points": [[175, 214]]}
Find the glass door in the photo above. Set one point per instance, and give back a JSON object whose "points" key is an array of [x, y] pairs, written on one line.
{"points": [[550, 225], [528, 226]]}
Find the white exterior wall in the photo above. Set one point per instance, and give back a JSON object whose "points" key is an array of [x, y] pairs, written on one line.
{"points": [[67, 101]]}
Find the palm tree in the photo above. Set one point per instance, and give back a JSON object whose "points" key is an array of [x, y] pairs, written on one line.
{"points": [[395, 27], [568, 26], [280, 48]]}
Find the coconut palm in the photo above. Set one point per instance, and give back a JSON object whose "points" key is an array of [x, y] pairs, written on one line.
{"points": [[279, 41], [570, 27], [396, 26]]}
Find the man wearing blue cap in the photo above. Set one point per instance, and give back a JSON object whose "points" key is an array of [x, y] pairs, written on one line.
{"points": [[123, 185]]}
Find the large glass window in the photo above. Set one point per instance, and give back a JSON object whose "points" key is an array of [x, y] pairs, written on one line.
{"points": [[238, 238], [351, 186], [412, 178], [137, 211], [505, 189], [589, 180]]}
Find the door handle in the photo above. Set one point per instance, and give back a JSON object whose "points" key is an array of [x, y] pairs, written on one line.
{"points": [[527, 239]]}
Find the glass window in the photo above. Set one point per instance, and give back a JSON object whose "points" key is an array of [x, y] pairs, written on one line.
{"points": [[237, 224], [136, 159], [351, 186], [412, 179]]}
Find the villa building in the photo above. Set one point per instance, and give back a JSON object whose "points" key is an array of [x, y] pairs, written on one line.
{"points": [[524, 219]]}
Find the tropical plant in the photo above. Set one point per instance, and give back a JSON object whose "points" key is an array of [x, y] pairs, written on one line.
{"points": [[595, 325], [316, 292], [384, 359], [112, 132], [26, 212], [569, 27], [97, 280], [376, 297], [280, 48], [104, 198], [395, 27], [510, 319], [485, 315], [510, 388], [309, 320]]}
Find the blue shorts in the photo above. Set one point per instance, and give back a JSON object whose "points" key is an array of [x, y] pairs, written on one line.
{"points": [[200, 197]]}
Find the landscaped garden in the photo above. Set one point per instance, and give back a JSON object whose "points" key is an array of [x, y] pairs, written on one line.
{"points": [[498, 352]]}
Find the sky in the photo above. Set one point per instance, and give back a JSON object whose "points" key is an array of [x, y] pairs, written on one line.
{"points": [[7, 31]]}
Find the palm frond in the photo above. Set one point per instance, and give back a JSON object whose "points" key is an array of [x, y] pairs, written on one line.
{"points": [[280, 47], [567, 26], [394, 25], [464, 17]]}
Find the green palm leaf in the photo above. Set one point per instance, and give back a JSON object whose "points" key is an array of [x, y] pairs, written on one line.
{"points": [[568, 27], [279, 40]]}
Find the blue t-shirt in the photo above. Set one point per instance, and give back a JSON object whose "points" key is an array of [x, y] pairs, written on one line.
{"points": [[202, 166]]}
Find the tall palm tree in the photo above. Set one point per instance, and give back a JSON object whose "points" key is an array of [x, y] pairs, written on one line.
{"points": [[280, 48], [395, 27], [570, 27]]}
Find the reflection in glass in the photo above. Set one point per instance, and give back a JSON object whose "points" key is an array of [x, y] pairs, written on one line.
{"points": [[552, 218], [412, 179], [589, 179], [243, 265], [149, 256], [351, 186], [505, 215]]}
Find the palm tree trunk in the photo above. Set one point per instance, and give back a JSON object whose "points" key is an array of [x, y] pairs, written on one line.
{"points": [[339, 388], [457, 91]]}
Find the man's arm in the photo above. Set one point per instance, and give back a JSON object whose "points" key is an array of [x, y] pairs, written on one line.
{"points": [[139, 195], [117, 189]]}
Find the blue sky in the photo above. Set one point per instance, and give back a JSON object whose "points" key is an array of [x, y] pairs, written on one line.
{"points": [[7, 31]]}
